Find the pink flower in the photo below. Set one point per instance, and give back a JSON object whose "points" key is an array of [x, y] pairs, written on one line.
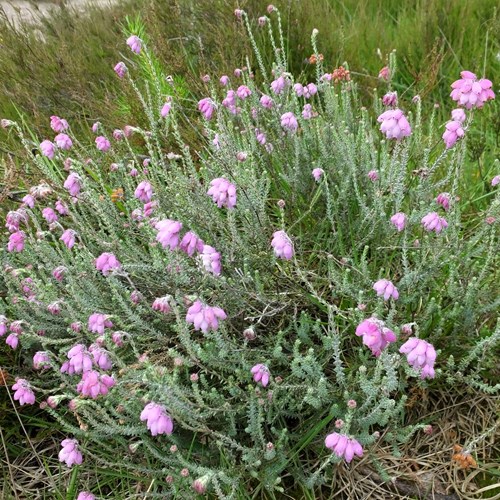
{"points": [[260, 136], [97, 323], [58, 124], [14, 219], [3, 325], [48, 149], [58, 273], [158, 420], [458, 115], [283, 247], [375, 335], [261, 374], [289, 121], [373, 175], [471, 92], [394, 124], [270, 8], [135, 44], [453, 132], [307, 112], [206, 108], [16, 242], [390, 99], [433, 222], [29, 201], [317, 173], [165, 110], [191, 243], [266, 101], [495, 181], [12, 340], [101, 357], [144, 192], [299, 89], [211, 260], [224, 80], [85, 495], [96, 126], [238, 13], [386, 289], [24, 393], [68, 238], [63, 141], [161, 304], [107, 262], [70, 453], [443, 199], [149, 208], [203, 317], [80, 360], [61, 207], [16, 327], [278, 85], [94, 384], [73, 184], [243, 92], [54, 308], [223, 193], [262, 21], [118, 135], [421, 355], [385, 74], [237, 72], [343, 446], [102, 143], [49, 215], [168, 233], [399, 220], [309, 90], [120, 69]]}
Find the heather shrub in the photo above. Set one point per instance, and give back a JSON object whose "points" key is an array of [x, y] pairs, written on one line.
{"points": [[252, 314]]}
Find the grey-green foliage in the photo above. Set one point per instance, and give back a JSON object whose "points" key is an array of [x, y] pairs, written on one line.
{"points": [[303, 312]]}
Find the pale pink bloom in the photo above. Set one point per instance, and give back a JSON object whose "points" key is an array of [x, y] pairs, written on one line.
{"points": [[241, 156], [289, 121], [12, 340], [390, 99], [80, 360], [394, 124], [375, 335], [58, 273], [307, 112], [399, 220], [343, 446], [385, 73], [133, 172], [495, 181], [458, 115], [453, 132], [211, 260], [165, 110], [63, 141], [161, 304], [101, 357], [266, 101], [16, 242], [443, 199], [420, 355], [49, 215], [95, 127], [238, 13], [243, 92], [309, 90], [85, 495], [107, 262], [223, 193], [168, 233], [73, 184], [69, 238], [204, 317], [270, 8], [54, 308], [261, 374], [16, 327], [205, 78], [61, 207], [14, 219], [237, 72], [102, 144], [158, 420], [58, 125], [120, 69], [282, 244], [471, 92], [135, 44], [433, 222], [98, 322], [230, 100], [299, 89], [224, 80], [94, 384], [144, 192], [386, 289], [191, 243], [278, 85], [117, 339], [29, 201], [317, 173], [3, 325], [70, 453], [149, 208], [206, 107], [48, 149], [262, 21], [23, 392], [117, 136]]}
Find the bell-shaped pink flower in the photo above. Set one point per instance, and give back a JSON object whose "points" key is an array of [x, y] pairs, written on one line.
{"points": [[101, 357], [453, 132], [23, 392], [165, 110], [495, 181], [278, 85], [58, 273], [307, 112], [73, 184], [29, 201], [266, 101], [158, 421], [61, 207], [41, 360], [394, 124], [63, 141], [70, 453], [399, 220], [433, 222], [49, 215], [375, 335], [135, 44], [443, 199], [243, 92], [211, 260], [14, 219], [3, 325], [206, 107], [120, 69], [107, 262], [421, 355], [69, 238], [317, 173], [224, 80], [261, 374], [223, 193], [80, 359], [16, 242], [98, 322], [58, 125], [282, 244], [289, 122], [191, 243], [85, 495], [48, 149], [344, 446], [12, 340], [102, 144], [390, 99], [168, 233], [204, 317], [93, 384], [144, 192], [385, 73], [162, 304], [386, 289], [373, 175], [470, 92], [309, 90]]}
